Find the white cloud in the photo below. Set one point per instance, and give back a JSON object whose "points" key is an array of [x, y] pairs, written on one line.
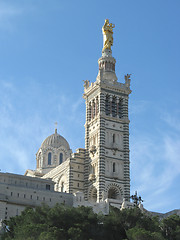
{"points": [[155, 165], [172, 119], [8, 12], [22, 132], [138, 107], [77, 104]]}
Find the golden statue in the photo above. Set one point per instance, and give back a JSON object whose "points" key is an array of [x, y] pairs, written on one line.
{"points": [[107, 30]]}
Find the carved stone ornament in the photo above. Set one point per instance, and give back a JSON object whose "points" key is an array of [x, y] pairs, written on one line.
{"points": [[86, 83], [92, 150]]}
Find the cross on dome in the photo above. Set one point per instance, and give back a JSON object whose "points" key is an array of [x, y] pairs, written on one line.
{"points": [[55, 126]]}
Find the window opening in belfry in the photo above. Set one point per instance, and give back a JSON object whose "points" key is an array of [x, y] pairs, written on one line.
{"points": [[90, 112], [120, 109], [114, 107], [107, 105], [60, 158], [49, 158]]}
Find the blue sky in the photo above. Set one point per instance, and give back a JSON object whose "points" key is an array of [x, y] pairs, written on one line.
{"points": [[47, 49]]}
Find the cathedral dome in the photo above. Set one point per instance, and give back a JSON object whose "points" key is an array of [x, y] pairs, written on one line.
{"points": [[55, 140]]}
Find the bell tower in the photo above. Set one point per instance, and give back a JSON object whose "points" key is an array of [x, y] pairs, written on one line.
{"points": [[107, 130]]}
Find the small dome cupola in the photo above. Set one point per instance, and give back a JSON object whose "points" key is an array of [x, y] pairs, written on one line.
{"points": [[55, 140], [53, 151]]}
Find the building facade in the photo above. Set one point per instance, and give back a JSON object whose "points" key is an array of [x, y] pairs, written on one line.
{"points": [[18, 192], [97, 175]]}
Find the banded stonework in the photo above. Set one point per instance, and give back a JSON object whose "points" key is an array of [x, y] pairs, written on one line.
{"points": [[107, 135]]}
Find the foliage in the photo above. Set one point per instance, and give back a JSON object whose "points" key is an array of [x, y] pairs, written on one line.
{"points": [[65, 223], [171, 227]]}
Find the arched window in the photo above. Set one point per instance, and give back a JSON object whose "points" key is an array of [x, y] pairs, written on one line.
{"points": [[60, 158], [113, 193], [49, 158], [114, 167]]}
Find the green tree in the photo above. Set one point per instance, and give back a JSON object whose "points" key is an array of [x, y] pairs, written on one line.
{"points": [[171, 227], [68, 223], [59, 222], [142, 234]]}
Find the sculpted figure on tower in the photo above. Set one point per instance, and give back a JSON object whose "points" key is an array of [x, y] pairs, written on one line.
{"points": [[107, 30]]}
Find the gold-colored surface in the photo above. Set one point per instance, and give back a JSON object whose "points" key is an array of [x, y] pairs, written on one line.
{"points": [[107, 30]]}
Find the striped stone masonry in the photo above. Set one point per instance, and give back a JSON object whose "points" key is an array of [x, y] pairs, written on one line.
{"points": [[106, 135]]}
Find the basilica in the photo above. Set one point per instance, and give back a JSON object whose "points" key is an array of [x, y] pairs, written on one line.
{"points": [[101, 170], [97, 175]]}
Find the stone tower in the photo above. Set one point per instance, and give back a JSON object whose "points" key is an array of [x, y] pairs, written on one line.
{"points": [[107, 130]]}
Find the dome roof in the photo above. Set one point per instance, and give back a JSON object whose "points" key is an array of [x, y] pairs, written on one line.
{"points": [[55, 140]]}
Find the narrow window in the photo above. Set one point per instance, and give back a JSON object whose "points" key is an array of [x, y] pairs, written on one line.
{"points": [[24, 195], [49, 158], [120, 113], [17, 212], [11, 193], [114, 167], [78, 184], [50, 199], [18, 195], [113, 138], [94, 109], [37, 198], [97, 105], [114, 107], [90, 111], [107, 106], [48, 187], [31, 196], [62, 187], [60, 158]]}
